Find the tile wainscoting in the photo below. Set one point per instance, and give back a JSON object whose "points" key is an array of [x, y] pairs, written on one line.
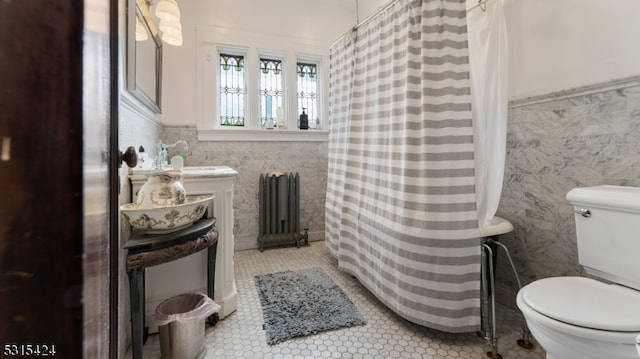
{"points": [[251, 159], [555, 143]]}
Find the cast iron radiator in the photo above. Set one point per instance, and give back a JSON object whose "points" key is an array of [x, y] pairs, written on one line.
{"points": [[279, 218]]}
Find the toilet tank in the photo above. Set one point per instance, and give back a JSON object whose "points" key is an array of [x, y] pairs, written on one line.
{"points": [[608, 232]]}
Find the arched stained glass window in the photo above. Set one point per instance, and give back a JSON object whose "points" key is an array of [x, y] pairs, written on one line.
{"points": [[271, 92], [307, 75], [232, 90]]}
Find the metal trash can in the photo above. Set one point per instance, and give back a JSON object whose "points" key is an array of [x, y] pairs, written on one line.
{"points": [[181, 321]]}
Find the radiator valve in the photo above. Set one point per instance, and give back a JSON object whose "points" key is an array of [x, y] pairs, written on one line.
{"points": [[304, 238]]}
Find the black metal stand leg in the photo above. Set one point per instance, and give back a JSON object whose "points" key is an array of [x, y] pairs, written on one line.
{"points": [[143, 301], [136, 292], [211, 279], [485, 312]]}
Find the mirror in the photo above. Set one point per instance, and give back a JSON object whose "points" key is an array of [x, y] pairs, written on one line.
{"points": [[144, 55]]}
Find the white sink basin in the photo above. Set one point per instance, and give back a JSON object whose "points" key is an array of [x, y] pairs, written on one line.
{"points": [[188, 172], [199, 168], [166, 219]]}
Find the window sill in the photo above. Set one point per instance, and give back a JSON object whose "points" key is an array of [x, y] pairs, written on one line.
{"points": [[263, 135]]}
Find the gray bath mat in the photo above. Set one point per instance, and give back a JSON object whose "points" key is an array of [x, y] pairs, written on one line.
{"points": [[303, 302]]}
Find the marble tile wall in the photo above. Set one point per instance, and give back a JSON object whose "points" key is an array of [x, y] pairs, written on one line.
{"points": [[251, 159], [137, 127], [553, 145]]}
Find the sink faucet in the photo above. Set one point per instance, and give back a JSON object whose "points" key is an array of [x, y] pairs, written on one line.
{"points": [[162, 156], [163, 152]]}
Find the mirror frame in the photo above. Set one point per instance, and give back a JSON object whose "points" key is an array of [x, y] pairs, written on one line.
{"points": [[140, 8]]}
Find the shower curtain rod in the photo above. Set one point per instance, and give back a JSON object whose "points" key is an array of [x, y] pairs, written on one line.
{"points": [[481, 4], [368, 18]]}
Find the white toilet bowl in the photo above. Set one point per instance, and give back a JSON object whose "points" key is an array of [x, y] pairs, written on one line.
{"points": [[582, 318]]}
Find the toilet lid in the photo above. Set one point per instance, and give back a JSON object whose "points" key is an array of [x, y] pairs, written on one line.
{"points": [[585, 302]]}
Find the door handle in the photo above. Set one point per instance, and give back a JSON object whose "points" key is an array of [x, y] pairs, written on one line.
{"points": [[129, 156]]}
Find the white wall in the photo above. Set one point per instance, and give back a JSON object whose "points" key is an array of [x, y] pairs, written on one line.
{"points": [[368, 7], [303, 19], [554, 44], [557, 45]]}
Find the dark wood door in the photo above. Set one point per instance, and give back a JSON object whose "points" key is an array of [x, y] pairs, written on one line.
{"points": [[56, 173]]}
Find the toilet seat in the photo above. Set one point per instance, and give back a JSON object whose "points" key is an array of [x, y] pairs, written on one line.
{"points": [[586, 303]]}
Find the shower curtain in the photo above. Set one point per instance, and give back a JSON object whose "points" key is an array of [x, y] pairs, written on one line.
{"points": [[488, 58], [401, 210]]}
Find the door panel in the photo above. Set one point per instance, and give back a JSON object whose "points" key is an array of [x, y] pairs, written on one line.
{"points": [[55, 101], [100, 167]]}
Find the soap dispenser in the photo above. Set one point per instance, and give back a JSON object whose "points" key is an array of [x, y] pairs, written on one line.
{"points": [[143, 157], [304, 120]]}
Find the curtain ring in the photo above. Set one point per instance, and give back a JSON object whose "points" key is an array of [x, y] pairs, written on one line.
{"points": [[482, 4]]}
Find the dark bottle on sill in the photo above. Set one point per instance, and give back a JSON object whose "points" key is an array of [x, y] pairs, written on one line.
{"points": [[304, 120]]}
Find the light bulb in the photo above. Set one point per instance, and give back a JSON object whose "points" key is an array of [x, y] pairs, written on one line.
{"points": [[172, 39], [168, 10], [170, 27]]}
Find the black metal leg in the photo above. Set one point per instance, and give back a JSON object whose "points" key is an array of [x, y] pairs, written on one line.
{"points": [[211, 278], [143, 301], [136, 292], [141, 255]]}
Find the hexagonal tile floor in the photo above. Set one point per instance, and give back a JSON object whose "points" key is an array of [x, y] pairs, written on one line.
{"points": [[385, 335]]}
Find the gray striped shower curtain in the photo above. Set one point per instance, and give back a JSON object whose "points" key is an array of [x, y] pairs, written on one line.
{"points": [[401, 205]]}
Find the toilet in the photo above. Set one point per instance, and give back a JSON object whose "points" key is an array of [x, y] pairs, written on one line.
{"points": [[585, 318]]}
